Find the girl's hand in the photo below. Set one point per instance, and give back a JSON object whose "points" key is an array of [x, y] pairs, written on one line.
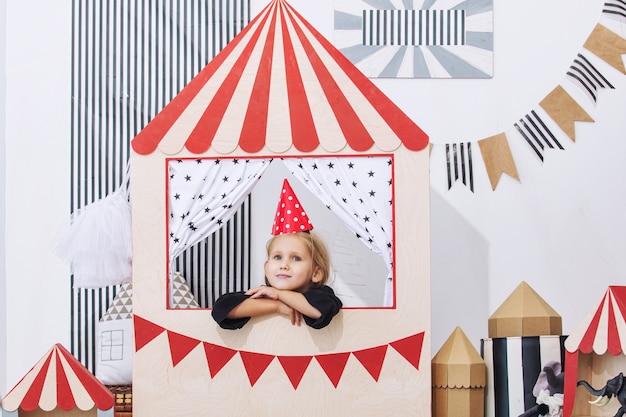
{"points": [[263, 292], [294, 315]]}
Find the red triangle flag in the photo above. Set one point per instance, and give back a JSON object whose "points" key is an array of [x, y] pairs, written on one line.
{"points": [[180, 346], [217, 357], [145, 331], [295, 367], [372, 359], [410, 348], [333, 365], [255, 364]]}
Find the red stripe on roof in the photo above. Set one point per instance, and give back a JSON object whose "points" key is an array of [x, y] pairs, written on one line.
{"points": [[353, 129], [619, 293], [31, 399], [254, 129], [148, 139], [586, 344], [65, 398], [101, 396], [202, 135], [303, 131], [411, 135]]}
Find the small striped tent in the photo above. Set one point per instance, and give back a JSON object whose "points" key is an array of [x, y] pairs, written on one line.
{"points": [[56, 385], [595, 349]]}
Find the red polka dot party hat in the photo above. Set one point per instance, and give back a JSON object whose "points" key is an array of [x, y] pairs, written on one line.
{"points": [[290, 215]]}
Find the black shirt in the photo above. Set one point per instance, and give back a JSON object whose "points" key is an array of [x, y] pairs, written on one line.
{"points": [[322, 298]]}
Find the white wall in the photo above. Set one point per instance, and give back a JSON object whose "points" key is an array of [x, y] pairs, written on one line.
{"points": [[37, 179], [3, 311], [561, 229]]}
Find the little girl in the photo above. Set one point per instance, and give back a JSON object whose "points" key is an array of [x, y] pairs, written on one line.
{"points": [[296, 271]]}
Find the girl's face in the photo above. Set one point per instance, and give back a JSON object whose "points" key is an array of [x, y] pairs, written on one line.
{"points": [[289, 265]]}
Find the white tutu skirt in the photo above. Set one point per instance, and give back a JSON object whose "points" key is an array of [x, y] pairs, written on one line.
{"points": [[97, 244]]}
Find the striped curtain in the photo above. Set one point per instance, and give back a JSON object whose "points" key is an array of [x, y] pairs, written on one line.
{"points": [[129, 59]]}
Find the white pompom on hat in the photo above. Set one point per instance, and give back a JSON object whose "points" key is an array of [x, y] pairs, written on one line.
{"points": [[290, 215]]}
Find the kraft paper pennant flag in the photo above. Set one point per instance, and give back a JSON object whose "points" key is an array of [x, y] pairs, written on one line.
{"points": [[180, 346], [145, 331], [498, 158], [217, 357], [564, 110], [608, 46]]}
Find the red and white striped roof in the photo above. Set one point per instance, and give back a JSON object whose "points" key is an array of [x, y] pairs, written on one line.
{"points": [[603, 329], [58, 380], [279, 84]]}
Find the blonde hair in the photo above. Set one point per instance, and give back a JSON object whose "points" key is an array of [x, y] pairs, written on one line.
{"points": [[320, 256]]}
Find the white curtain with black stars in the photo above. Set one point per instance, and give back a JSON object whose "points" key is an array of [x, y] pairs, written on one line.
{"points": [[204, 194], [358, 190]]}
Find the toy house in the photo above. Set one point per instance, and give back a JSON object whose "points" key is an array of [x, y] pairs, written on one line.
{"points": [[114, 333], [595, 354], [281, 93], [524, 337], [459, 378], [58, 385]]}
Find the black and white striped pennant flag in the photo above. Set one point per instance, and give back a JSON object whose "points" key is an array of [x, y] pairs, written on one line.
{"points": [[586, 75], [537, 134], [615, 9], [459, 164]]}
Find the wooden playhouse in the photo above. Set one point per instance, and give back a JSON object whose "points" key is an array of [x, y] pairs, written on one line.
{"points": [[281, 93]]}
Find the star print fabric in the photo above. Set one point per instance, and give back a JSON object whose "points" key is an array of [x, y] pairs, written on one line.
{"points": [[204, 194], [358, 190]]}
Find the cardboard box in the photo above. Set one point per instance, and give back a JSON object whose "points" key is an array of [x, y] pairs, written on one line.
{"points": [[524, 313], [459, 379]]}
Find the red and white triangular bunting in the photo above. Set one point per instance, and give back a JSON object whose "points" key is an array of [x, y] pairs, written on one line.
{"points": [[372, 359], [333, 365], [180, 346], [255, 364], [145, 332], [410, 348], [295, 367], [217, 357]]}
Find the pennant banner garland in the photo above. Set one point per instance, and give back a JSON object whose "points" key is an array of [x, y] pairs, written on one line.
{"points": [[255, 363], [559, 105]]}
